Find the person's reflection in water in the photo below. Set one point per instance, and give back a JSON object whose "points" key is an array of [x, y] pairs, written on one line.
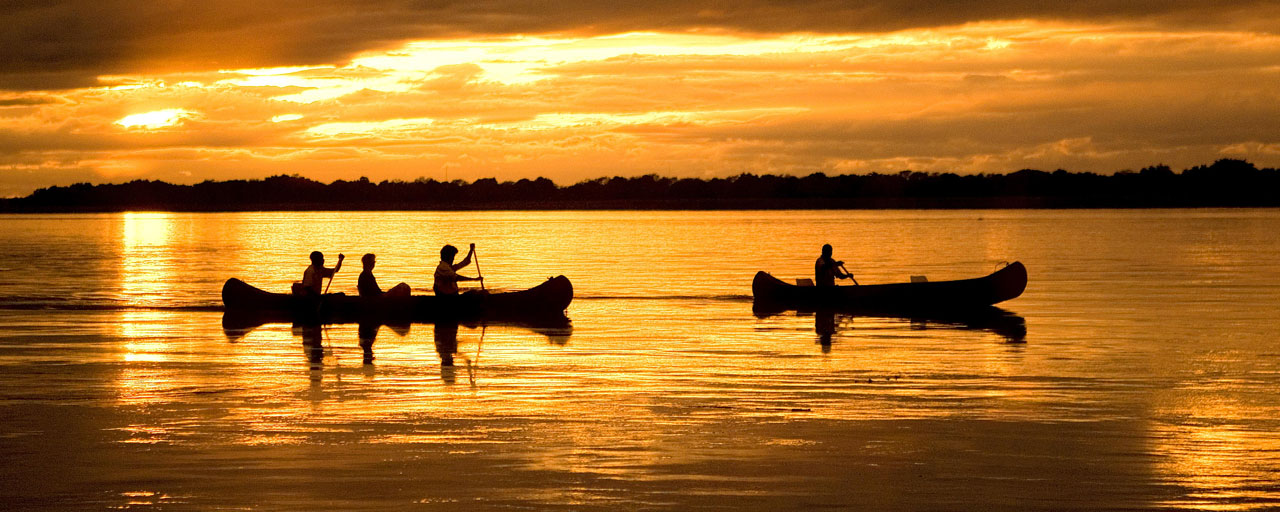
{"points": [[368, 333], [825, 325], [312, 343], [313, 347], [446, 337]]}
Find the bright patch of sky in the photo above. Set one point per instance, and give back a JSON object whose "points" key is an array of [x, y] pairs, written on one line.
{"points": [[156, 119], [380, 128]]}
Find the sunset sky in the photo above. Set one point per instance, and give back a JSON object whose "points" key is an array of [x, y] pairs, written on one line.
{"points": [[184, 91]]}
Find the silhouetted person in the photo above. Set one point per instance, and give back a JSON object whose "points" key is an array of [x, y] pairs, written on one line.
{"points": [[446, 278], [368, 285], [313, 278], [826, 270]]}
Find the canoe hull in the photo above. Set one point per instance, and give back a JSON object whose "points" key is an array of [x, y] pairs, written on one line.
{"points": [[772, 294], [246, 304]]}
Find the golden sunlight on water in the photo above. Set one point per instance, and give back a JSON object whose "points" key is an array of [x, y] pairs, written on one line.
{"points": [[147, 273], [1215, 433], [1138, 370], [1225, 467]]}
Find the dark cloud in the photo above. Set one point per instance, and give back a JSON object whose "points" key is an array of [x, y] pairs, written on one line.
{"points": [[52, 45], [25, 101]]}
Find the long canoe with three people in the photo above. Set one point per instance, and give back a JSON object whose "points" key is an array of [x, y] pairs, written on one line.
{"points": [[773, 294], [246, 303]]}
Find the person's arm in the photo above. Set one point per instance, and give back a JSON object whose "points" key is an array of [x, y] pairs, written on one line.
{"points": [[329, 272], [465, 261]]}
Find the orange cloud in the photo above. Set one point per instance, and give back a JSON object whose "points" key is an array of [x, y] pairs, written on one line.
{"points": [[993, 96]]}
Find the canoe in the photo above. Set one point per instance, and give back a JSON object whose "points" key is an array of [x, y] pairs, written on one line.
{"points": [[245, 304], [772, 294]]}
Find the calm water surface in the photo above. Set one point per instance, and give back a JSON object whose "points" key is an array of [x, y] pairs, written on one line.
{"points": [[1140, 370]]}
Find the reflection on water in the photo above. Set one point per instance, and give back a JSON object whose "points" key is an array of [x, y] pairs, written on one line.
{"points": [[827, 324], [368, 332], [1147, 378], [1224, 467], [312, 343], [446, 341], [318, 341], [147, 261]]}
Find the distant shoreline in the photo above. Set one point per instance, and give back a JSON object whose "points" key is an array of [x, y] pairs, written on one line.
{"points": [[1225, 183], [1014, 204]]}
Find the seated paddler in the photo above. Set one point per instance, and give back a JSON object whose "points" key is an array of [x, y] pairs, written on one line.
{"points": [[826, 270], [446, 277], [313, 278], [368, 285]]}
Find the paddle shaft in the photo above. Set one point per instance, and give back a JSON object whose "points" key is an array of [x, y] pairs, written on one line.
{"points": [[335, 274], [473, 365], [476, 258], [848, 273]]}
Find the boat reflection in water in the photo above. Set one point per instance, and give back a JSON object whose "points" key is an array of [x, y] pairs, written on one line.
{"points": [[827, 323], [557, 331]]}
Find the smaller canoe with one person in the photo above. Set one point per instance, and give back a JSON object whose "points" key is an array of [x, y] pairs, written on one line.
{"points": [[772, 294]]}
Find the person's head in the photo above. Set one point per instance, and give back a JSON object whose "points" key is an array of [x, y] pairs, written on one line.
{"points": [[368, 260], [448, 252], [826, 250], [317, 258]]}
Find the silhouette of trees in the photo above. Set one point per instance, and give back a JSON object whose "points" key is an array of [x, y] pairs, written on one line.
{"points": [[1226, 182]]}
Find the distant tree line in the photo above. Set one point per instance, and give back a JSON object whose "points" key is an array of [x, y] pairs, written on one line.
{"points": [[1224, 183]]}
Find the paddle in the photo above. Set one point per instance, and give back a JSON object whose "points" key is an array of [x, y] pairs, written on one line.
{"points": [[476, 258], [335, 272], [320, 299], [850, 274], [471, 374]]}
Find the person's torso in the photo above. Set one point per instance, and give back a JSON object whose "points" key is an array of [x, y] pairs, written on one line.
{"points": [[367, 285], [824, 271], [311, 278], [446, 279]]}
